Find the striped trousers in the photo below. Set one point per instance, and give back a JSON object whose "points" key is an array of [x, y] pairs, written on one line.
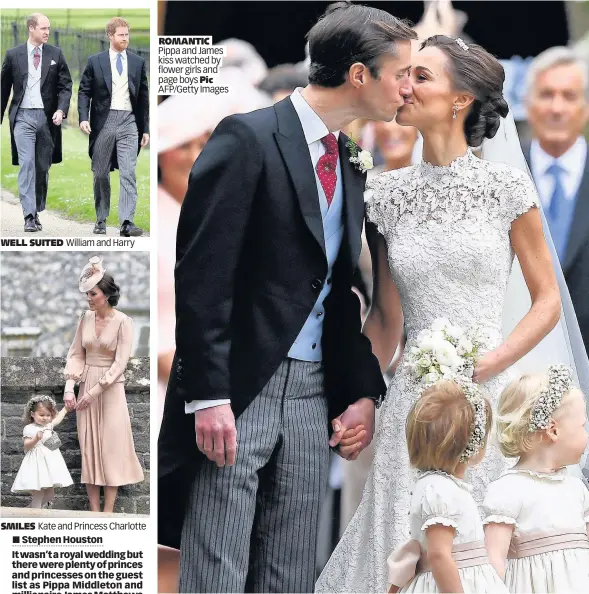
{"points": [[119, 133], [252, 527], [34, 145]]}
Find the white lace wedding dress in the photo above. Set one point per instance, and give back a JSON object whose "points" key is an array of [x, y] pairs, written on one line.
{"points": [[447, 232]]}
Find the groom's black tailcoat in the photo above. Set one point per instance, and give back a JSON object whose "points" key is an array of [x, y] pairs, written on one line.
{"points": [[250, 265]]}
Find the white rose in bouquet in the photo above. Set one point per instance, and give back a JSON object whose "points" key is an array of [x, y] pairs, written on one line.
{"points": [[423, 335], [438, 337], [455, 332], [446, 354], [427, 344], [431, 378], [440, 324], [424, 362], [445, 370], [464, 346]]}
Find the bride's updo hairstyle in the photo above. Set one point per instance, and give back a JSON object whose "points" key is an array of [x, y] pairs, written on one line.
{"points": [[475, 71], [439, 425], [514, 412]]}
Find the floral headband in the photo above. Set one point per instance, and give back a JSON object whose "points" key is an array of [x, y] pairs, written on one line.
{"points": [[36, 400], [478, 431], [560, 381], [479, 428]]}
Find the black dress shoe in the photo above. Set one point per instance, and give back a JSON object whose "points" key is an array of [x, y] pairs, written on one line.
{"points": [[100, 228], [30, 225], [38, 223], [129, 229]]}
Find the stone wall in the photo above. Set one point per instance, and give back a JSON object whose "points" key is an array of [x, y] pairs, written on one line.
{"points": [[23, 377], [40, 289]]}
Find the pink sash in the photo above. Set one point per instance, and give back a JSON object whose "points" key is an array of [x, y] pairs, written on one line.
{"points": [[408, 560], [535, 543]]}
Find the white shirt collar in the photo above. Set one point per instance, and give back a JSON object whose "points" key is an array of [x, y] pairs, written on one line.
{"points": [[314, 128], [113, 54], [31, 48], [572, 162]]}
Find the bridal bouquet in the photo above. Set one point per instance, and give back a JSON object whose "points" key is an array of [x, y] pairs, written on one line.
{"points": [[443, 351]]}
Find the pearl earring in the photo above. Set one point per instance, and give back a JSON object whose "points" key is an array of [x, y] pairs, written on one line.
{"points": [[454, 111]]}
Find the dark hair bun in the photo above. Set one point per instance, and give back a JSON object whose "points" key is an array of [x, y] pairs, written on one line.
{"points": [[110, 289], [484, 119]]}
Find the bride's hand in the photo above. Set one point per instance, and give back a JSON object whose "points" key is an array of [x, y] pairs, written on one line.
{"points": [[485, 368], [358, 417]]}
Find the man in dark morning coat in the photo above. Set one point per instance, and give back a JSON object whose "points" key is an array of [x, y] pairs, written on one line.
{"points": [[41, 85], [113, 106], [558, 110], [269, 347]]}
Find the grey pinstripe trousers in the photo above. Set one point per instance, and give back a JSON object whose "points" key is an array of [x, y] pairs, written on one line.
{"points": [[119, 133], [252, 527], [34, 145]]}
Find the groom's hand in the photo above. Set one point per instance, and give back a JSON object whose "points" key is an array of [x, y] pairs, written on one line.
{"points": [[353, 430], [216, 436]]}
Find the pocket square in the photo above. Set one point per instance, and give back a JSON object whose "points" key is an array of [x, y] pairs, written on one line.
{"points": [[53, 62]]}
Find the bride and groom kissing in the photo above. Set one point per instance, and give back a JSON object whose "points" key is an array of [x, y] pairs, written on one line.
{"points": [[271, 355]]}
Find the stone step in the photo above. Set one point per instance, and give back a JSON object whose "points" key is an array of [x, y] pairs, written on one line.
{"points": [[27, 512]]}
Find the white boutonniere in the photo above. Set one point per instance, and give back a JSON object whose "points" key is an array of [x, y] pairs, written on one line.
{"points": [[361, 159]]}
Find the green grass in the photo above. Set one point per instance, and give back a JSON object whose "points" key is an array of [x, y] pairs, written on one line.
{"points": [[87, 19], [83, 18], [70, 182]]}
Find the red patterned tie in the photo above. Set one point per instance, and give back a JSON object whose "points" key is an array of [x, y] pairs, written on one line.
{"points": [[36, 58], [326, 166]]}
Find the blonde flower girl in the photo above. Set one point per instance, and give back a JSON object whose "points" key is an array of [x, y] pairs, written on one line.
{"points": [[43, 467], [446, 431], [536, 513]]}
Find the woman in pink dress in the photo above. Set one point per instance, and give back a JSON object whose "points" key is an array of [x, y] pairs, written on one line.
{"points": [[97, 360]]}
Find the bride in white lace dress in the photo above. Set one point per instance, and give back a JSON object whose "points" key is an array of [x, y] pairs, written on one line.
{"points": [[448, 230]]}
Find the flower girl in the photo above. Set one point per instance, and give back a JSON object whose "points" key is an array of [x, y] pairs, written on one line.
{"points": [[446, 431], [43, 467], [537, 513]]}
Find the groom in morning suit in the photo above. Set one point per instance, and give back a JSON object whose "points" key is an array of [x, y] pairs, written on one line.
{"points": [[269, 346], [41, 85], [557, 104], [113, 105]]}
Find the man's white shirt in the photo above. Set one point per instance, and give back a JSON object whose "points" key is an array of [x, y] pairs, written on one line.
{"points": [[572, 164]]}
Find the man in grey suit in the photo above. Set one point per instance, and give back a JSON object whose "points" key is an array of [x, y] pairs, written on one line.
{"points": [[558, 111], [39, 78], [113, 105]]}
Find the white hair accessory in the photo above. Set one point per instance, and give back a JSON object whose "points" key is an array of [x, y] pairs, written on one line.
{"points": [[40, 398], [478, 430], [560, 381], [462, 44]]}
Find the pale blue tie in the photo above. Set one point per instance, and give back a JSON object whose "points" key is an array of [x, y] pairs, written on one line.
{"points": [[119, 64], [558, 195]]}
